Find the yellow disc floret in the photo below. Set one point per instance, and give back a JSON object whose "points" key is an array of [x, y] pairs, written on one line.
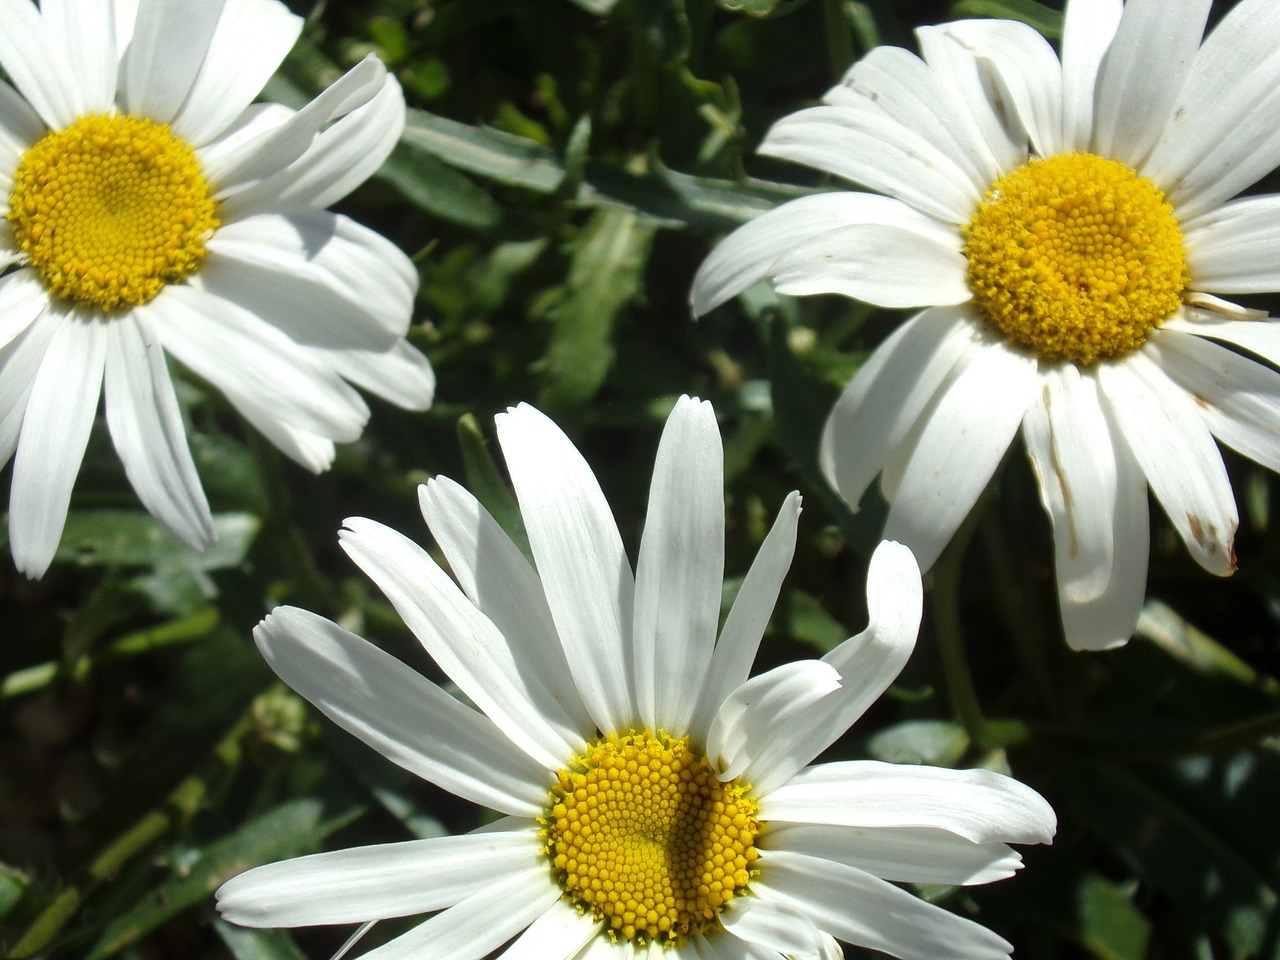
{"points": [[110, 209], [641, 833], [1076, 257]]}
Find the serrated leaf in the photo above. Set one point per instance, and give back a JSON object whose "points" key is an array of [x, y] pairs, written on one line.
{"points": [[606, 274]]}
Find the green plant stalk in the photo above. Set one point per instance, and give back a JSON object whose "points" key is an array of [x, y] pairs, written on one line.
{"points": [[839, 37], [1024, 621], [315, 590], [183, 630], [182, 803], [945, 604]]}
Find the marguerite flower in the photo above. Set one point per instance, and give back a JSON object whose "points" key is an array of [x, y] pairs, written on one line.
{"points": [[1069, 226], [651, 793], [151, 209]]}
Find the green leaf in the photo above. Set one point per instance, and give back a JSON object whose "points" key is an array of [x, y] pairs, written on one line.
{"points": [[247, 944], [804, 618], [438, 189], [1202, 831], [286, 831], [122, 538], [940, 743], [486, 483], [490, 153], [12, 887], [599, 7], [762, 8], [1044, 19], [606, 274], [1111, 927]]}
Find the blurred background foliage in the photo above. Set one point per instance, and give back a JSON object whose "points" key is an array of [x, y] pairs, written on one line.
{"points": [[566, 166]]}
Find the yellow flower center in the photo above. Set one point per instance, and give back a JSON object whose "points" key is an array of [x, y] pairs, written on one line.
{"points": [[1076, 257], [111, 209], [642, 834]]}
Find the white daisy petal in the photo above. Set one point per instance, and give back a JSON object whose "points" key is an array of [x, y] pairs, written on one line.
{"points": [[979, 805], [559, 934], [748, 254], [255, 364], [252, 122], [982, 123], [775, 927], [900, 854], [754, 717], [1218, 140], [309, 450], [86, 32], [320, 277], [1027, 72], [400, 713], [496, 577], [1068, 441], [170, 41], [863, 145], [479, 924], [977, 417], [1235, 248], [890, 266], [273, 150], [1110, 619], [399, 373], [580, 559], [1143, 73], [903, 376], [1087, 31], [462, 640], [248, 44], [1238, 398], [1170, 440], [902, 86], [60, 412], [1260, 335], [376, 882], [866, 664], [339, 159], [680, 569], [146, 428], [19, 362], [36, 62], [735, 651], [22, 299], [887, 918]]}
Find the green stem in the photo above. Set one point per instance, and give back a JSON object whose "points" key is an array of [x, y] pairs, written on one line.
{"points": [[313, 589], [945, 605], [182, 803], [839, 37], [1023, 617], [183, 630]]}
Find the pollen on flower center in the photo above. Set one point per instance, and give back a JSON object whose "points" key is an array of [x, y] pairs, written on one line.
{"points": [[1076, 257], [110, 209], [641, 833]]}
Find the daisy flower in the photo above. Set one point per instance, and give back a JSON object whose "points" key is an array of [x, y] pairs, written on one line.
{"points": [[650, 793], [150, 209], [1069, 228]]}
